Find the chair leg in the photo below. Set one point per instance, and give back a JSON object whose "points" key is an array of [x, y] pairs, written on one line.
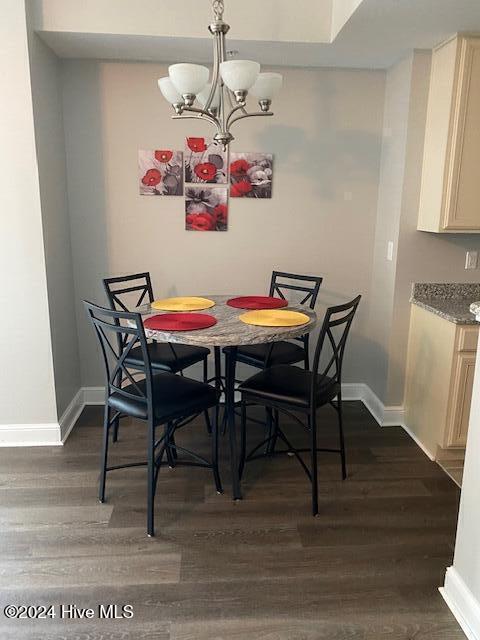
{"points": [[218, 373], [340, 431], [243, 439], [205, 379], [116, 422], [103, 472], [314, 469], [169, 439], [150, 481], [306, 360], [116, 425], [216, 473], [268, 430], [276, 424]]}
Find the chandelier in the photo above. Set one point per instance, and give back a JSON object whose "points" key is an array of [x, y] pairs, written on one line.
{"points": [[223, 100]]}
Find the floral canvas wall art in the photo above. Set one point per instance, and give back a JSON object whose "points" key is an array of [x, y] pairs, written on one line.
{"points": [[160, 172], [205, 161], [206, 208], [251, 175]]}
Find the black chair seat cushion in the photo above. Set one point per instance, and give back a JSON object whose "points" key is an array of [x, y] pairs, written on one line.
{"points": [[282, 353], [173, 397], [289, 385], [167, 357]]}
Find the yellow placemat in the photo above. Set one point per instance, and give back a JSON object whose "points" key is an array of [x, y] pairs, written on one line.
{"points": [[182, 304], [275, 318]]}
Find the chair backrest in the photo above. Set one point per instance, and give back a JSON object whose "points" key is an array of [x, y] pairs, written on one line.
{"points": [[118, 332], [307, 286], [136, 287], [331, 342]]}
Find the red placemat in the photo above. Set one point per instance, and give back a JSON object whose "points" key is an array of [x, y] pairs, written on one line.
{"points": [[179, 321], [257, 302]]}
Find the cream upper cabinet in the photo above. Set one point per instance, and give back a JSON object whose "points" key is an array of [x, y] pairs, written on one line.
{"points": [[450, 192]]}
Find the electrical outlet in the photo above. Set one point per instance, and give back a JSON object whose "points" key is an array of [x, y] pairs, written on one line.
{"points": [[471, 260]]}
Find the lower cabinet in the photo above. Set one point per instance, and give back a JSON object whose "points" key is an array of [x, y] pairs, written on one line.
{"points": [[460, 400], [439, 381]]}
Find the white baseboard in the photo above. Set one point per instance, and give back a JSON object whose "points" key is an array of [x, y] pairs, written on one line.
{"points": [[71, 415], [56, 434], [30, 435], [462, 603], [386, 416], [419, 443], [93, 395]]}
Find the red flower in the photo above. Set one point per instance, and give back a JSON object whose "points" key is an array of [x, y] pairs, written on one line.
{"points": [[200, 221], [220, 213], [152, 178], [163, 156], [206, 171], [196, 144], [239, 168], [240, 189]]}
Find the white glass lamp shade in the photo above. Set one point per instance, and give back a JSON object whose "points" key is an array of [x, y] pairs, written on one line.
{"points": [[169, 92], [202, 97], [267, 85], [188, 78], [239, 75]]}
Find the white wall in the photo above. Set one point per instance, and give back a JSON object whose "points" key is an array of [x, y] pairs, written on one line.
{"points": [[27, 393], [325, 136], [50, 144]]}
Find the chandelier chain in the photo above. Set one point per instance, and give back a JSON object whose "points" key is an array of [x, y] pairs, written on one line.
{"points": [[218, 9]]}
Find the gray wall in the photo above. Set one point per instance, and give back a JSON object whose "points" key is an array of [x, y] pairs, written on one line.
{"points": [[326, 137], [50, 145]]}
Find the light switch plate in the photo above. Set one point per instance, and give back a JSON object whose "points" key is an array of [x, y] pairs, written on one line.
{"points": [[471, 260], [390, 250]]}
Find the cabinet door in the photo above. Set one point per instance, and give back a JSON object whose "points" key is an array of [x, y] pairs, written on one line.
{"points": [[462, 187], [460, 400]]}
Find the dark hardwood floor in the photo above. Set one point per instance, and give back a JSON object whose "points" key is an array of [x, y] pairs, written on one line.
{"points": [[367, 568]]}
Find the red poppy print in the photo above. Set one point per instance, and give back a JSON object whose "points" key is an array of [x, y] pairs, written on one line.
{"points": [[239, 168], [163, 155], [206, 208], [200, 221], [205, 161], [206, 171], [197, 145], [152, 178], [240, 189], [251, 175], [221, 212], [160, 172]]}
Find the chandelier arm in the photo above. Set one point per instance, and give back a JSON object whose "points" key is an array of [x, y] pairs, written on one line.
{"points": [[200, 114], [234, 110], [249, 115]]}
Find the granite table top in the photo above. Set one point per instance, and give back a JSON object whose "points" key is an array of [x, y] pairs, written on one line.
{"points": [[451, 301], [230, 331]]}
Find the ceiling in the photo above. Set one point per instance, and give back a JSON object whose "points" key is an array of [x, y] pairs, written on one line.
{"points": [[375, 35]]}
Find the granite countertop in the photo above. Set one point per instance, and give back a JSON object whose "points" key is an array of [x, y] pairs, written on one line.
{"points": [[450, 301]]}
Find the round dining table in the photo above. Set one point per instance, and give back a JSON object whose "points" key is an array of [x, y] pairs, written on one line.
{"points": [[228, 334]]}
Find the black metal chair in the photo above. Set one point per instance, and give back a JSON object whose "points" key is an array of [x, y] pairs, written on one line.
{"points": [[286, 388], [163, 356], [284, 352], [163, 399]]}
